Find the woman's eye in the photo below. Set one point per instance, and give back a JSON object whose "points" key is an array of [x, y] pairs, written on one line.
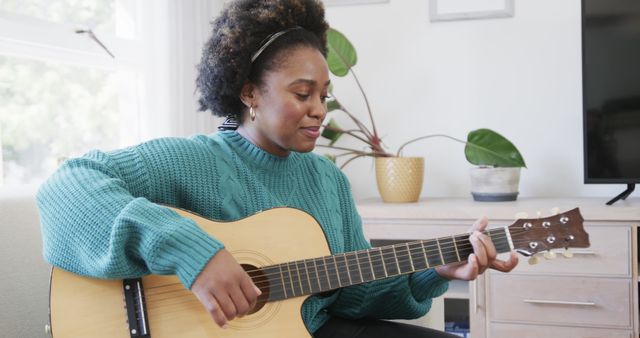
{"points": [[302, 97], [324, 98]]}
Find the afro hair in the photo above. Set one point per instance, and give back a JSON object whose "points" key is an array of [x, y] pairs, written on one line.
{"points": [[238, 33]]}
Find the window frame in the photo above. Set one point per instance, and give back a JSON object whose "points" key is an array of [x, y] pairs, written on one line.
{"points": [[26, 37]]}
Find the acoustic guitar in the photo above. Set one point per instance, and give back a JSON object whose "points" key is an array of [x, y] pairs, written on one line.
{"points": [[288, 262]]}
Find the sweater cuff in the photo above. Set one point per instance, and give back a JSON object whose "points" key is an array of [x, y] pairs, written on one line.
{"points": [[184, 252], [427, 284]]}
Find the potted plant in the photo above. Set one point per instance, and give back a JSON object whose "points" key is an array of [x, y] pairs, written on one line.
{"points": [[400, 178]]}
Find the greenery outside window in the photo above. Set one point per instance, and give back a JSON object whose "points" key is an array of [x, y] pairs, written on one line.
{"points": [[61, 94]]}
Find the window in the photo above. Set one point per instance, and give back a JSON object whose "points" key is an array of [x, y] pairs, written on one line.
{"points": [[61, 94]]}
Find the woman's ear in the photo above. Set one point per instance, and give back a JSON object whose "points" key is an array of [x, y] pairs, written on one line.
{"points": [[248, 94]]}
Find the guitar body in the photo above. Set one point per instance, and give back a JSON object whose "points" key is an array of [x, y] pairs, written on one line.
{"points": [[87, 307]]}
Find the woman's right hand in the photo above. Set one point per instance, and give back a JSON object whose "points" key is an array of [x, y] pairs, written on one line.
{"points": [[225, 289]]}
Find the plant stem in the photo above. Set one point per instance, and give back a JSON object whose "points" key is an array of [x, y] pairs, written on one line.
{"points": [[355, 120], [425, 137], [366, 101], [338, 130], [349, 160], [374, 140], [360, 152]]}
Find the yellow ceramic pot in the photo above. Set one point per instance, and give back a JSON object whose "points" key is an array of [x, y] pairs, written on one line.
{"points": [[399, 178]]}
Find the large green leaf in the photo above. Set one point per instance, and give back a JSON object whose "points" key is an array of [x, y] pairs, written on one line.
{"points": [[341, 54], [330, 134], [332, 105], [486, 147]]}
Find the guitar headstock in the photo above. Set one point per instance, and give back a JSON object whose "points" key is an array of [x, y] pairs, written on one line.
{"points": [[564, 230]]}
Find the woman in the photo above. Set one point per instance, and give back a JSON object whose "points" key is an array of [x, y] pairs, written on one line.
{"points": [[264, 69]]}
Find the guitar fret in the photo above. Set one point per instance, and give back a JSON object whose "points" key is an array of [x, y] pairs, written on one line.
{"points": [[446, 249], [303, 274], [371, 263], [306, 270], [410, 258], [346, 267], [395, 255], [440, 251], [297, 265], [353, 265], [296, 286], [502, 241], [424, 252], [335, 263], [326, 270], [282, 281], [323, 280], [379, 274], [364, 264], [358, 265], [315, 267], [465, 246], [453, 239], [288, 281], [343, 273], [416, 253], [390, 261], [433, 253], [404, 264]]}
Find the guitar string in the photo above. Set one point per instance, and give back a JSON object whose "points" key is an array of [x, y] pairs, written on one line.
{"points": [[402, 260], [448, 247], [282, 294], [405, 263], [431, 248], [381, 254]]}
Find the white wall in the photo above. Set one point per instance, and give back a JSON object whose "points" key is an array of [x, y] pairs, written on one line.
{"points": [[520, 76]]}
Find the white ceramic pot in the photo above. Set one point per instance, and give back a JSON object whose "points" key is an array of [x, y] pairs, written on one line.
{"points": [[494, 184]]}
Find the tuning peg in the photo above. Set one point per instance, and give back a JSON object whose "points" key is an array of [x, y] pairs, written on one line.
{"points": [[567, 253], [549, 255], [555, 211], [533, 260], [521, 215]]}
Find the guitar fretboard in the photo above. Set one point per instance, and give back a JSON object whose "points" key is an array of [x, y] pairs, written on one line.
{"points": [[305, 277]]}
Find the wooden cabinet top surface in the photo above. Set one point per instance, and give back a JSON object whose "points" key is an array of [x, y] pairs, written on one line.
{"points": [[592, 209]]}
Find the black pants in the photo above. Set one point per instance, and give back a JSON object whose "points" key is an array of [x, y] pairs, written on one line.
{"points": [[374, 328]]}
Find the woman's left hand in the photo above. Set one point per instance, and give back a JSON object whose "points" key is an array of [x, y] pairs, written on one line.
{"points": [[483, 257]]}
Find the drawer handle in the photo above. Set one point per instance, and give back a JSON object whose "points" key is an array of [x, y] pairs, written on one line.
{"points": [[558, 302]]}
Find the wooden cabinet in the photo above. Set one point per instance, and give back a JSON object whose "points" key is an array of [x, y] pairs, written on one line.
{"points": [[592, 294]]}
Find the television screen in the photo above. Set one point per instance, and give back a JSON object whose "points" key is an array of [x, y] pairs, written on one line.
{"points": [[611, 90]]}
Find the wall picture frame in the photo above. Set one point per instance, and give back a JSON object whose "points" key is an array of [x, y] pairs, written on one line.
{"points": [[352, 2], [452, 10]]}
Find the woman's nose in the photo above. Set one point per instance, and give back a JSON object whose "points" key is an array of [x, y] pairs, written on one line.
{"points": [[319, 110]]}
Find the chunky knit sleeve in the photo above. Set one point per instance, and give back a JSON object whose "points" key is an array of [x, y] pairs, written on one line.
{"points": [[98, 218], [396, 297]]}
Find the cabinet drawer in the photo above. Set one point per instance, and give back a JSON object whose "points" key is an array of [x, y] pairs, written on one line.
{"points": [[561, 300], [536, 331], [609, 254]]}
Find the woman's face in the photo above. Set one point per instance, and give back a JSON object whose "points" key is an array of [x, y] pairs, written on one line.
{"points": [[290, 105]]}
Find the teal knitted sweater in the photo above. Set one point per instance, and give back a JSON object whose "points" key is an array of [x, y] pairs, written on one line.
{"points": [[101, 216]]}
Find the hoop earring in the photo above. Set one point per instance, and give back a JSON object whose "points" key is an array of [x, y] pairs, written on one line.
{"points": [[252, 113]]}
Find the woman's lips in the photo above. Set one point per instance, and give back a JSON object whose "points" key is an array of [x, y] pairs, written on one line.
{"points": [[313, 132]]}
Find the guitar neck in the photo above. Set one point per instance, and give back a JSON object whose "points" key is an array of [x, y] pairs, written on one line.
{"points": [[316, 275]]}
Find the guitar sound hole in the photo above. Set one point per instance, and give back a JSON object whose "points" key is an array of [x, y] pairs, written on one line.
{"points": [[262, 282]]}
